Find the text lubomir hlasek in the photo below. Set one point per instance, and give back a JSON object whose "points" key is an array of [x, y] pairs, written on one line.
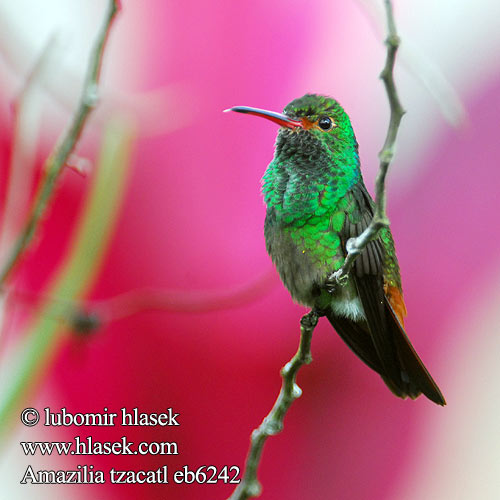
{"points": [[106, 418]]}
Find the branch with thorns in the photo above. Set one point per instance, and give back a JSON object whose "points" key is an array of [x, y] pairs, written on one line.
{"points": [[380, 220]]}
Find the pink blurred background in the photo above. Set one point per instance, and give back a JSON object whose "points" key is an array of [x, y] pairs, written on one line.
{"points": [[192, 220]]}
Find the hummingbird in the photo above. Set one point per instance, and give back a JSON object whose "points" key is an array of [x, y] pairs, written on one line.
{"points": [[316, 200]]}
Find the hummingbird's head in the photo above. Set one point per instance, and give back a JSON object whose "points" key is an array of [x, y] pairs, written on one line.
{"points": [[312, 127]]}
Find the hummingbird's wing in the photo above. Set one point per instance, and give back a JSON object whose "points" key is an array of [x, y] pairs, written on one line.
{"points": [[358, 338], [380, 341]]}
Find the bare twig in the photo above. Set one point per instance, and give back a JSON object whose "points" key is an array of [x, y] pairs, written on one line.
{"points": [[379, 221], [422, 67], [95, 313], [27, 107], [55, 163], [273, 422], [192, 301]]}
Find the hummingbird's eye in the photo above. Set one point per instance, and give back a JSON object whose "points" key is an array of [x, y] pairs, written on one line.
{"points": [[325, 123]]}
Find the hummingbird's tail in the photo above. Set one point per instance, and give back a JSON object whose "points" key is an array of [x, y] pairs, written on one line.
{"points": [[408, 376], [412, 365]]}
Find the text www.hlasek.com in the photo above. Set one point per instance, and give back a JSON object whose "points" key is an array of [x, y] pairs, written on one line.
{"points": [[90, 447]]}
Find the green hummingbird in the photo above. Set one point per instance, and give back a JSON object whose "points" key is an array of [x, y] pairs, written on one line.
{"points": [[316, 200]]}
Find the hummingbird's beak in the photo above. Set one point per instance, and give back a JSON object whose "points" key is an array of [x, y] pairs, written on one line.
{"points": [[278, 118]]}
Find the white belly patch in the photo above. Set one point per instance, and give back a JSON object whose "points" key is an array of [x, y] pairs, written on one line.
{"points": [[348, 308]]}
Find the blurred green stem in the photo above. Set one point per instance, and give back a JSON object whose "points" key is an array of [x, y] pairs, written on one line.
{"points": [[35, 352]]}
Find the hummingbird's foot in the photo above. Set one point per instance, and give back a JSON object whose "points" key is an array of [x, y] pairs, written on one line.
{"points": [[335, 280], [330, 286], [310, 320]]}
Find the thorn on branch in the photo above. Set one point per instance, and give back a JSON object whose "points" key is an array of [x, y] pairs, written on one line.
{"points": [[270, 427], [253, 488], [91, 95], [384, 74], [393, 41], [82, 166], [297, 391], [83, 322], [386, 156]]}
